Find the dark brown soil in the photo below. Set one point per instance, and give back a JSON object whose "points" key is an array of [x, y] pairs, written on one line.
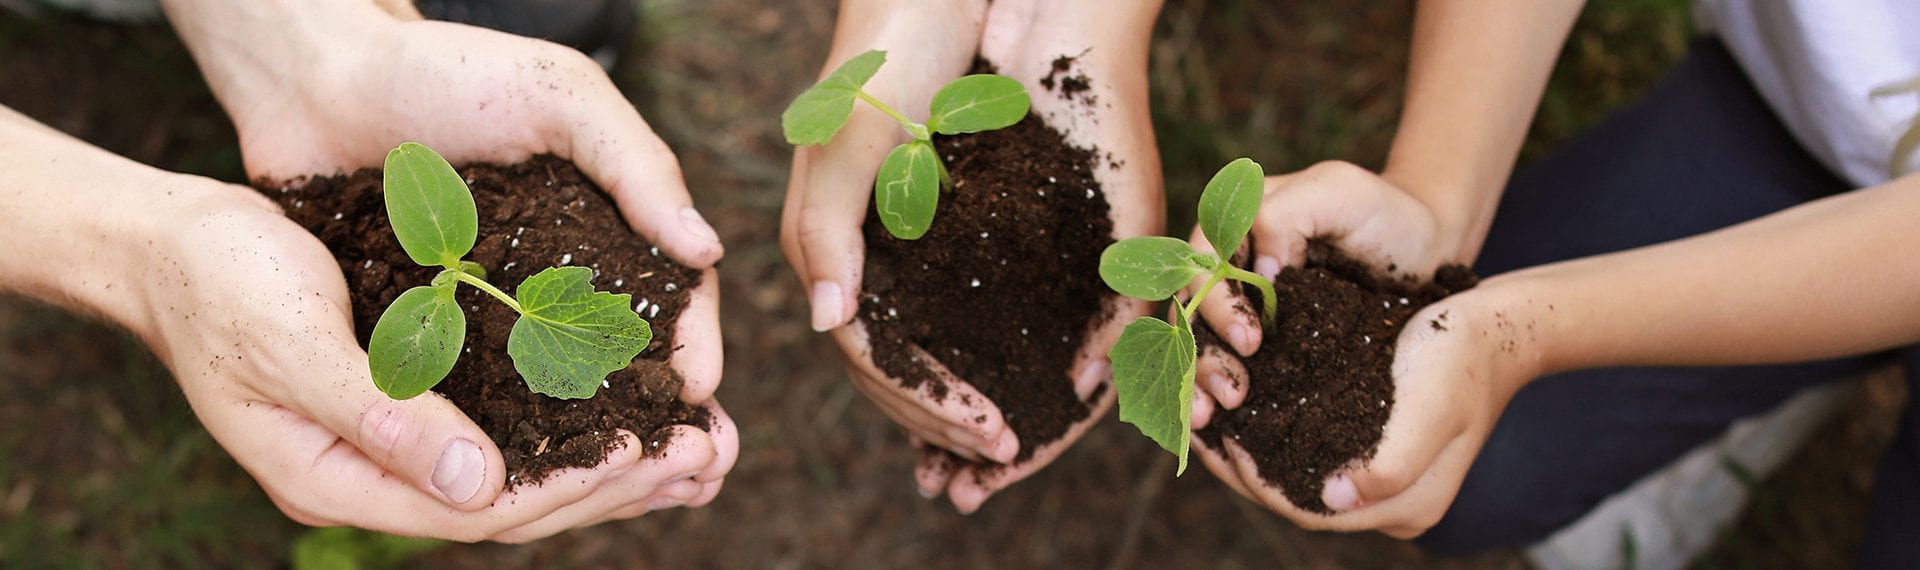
{"points": [[1322, 382], [1005, 286], [533, 215]]}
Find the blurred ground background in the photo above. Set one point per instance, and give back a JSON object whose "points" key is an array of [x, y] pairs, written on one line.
{"points": [[102, 464]]}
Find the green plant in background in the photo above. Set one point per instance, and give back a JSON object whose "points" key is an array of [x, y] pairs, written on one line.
{"points": [[907, 189], [568, 338], [348, 548], [1153, 362]]}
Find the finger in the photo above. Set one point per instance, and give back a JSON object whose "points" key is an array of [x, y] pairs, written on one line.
{"points": [[1202, 412], [1261, 492], [970, 419], [908, 415], [933, 472], [425, 441], [1091, 369], [971, 488], [688, 453], [1420, 428], [606, 137], [1421, 504], [1222, 376], [1219, 465], [709, 490], [1284, 222], [315, 480], [1226, 310], [725, 437], [697, 354]]}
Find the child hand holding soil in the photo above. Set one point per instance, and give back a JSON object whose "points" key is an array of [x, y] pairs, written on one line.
{"points": [[971, 448], [250, 312]]}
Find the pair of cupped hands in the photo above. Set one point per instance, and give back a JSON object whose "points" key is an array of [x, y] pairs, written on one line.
{"points": [[280, 382]]}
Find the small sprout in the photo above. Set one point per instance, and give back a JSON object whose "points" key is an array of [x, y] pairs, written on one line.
{"points": [[907, 189], [1153, 362], [568, 338]]}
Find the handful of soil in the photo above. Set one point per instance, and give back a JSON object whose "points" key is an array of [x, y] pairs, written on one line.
{"points": [[1321, 386], [533, 215], [1004, 287]]}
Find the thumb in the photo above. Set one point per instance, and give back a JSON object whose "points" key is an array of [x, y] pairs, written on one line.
{"points": [[425, 441]]}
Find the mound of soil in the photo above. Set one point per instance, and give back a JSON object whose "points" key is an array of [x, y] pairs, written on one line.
{"points": [[533, 215], [1004, 287], [1321, 386]]}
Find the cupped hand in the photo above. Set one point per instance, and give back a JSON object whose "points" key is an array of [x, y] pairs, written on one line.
{"points": [[1370, 216], [1450, 386], [250, 313]]}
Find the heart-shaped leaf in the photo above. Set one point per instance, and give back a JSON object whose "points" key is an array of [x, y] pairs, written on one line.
{"points": [[570, 337], [1153, 372]]}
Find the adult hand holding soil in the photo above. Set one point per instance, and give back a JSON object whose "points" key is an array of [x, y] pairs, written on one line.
{"points": [[1108, 44], [928, 44], [249, 313], [322, 88]]}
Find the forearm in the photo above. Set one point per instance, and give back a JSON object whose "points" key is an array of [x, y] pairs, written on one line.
{"points": [[79, 222], [1825, 279], [1475, 78]]}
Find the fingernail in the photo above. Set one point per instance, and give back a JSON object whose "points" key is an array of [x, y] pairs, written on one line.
{"points": [[1200, 412], [663, 503], [923, 492], [1241, 338], [1339, 494], [461, 469], [1266, 265], [826, 306], [696, 225]]}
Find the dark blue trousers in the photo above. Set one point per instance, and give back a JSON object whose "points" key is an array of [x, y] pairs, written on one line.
{"points": [[1702, 151]]}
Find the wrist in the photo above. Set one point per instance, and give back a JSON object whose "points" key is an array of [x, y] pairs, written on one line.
{"points": [[1518, 316], [262, 58], [1460, 221]]}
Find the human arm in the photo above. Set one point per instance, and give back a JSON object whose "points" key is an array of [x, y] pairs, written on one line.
{"points": [[1815, 281]]}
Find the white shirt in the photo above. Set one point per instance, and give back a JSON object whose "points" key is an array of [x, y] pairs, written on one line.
{"points": [[1816, 61]]}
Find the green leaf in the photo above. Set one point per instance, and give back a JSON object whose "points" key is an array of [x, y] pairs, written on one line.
{"points": [[1149, 268], [570, 337], [821, 110], [1229, 203], [1153, 372], [978, 103], [416, 341], [430, 207], [907, 190]]}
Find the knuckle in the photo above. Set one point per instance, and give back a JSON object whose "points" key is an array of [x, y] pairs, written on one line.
{"points": [[383, 429]]}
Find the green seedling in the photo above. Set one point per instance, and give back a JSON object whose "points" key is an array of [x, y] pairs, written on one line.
{"points": [[568, 338], [1153, 362], [907, 189]]}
